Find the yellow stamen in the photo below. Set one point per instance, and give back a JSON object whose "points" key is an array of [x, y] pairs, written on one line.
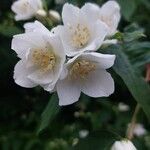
{"points": [[80, 36], [81, 68], [45, 60]]}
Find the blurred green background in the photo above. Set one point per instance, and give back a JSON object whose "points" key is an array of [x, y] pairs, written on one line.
{"points": [[21, 108]]}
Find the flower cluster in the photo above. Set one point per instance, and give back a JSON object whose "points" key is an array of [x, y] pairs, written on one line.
{"points": [[65, 59]]}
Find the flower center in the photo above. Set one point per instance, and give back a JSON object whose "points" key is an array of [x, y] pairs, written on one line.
{"points": [[80, 36], [45, 60], [81, 69]]}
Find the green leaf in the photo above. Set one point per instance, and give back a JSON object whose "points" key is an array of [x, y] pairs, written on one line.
{"points": [[46, 4], [31, 144], [146, 3], [139, 46], [133, 27], [49, 113], [127, 8], [133, 32], [142, 60], [97, 140], [139, 89], [5, 145], [139, 53], [118, 36], [9, 30], [128, 37]]}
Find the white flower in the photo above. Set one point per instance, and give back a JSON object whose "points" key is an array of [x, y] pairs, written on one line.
{"points": [[85, 73], [123, 145], [26, 9], [54, 15], [138, 130], [42, 58], [80, 32], [123, 107], [109, 13], [83, 133]]}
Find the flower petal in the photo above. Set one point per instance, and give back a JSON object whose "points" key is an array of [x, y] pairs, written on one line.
{"points": [[21, 43], [20, 75], [69, 13], [36, 4], [110, 7], [111, 11], [40, 77], [123, 145], [49, 87], [62, 31], [36, 27], [98, 84], [92, 10], [103, 61], [99, 31], [68, 92], [22, 17], [57, 45]]}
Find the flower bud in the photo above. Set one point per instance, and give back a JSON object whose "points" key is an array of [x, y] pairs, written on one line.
{"points": [[83, 133], [123, 145], [54, 15], [123, 107], [41, 13]]}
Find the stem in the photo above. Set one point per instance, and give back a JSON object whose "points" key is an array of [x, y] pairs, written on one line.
{"points": [[133, 122], [137, 109], [147, 78]]}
